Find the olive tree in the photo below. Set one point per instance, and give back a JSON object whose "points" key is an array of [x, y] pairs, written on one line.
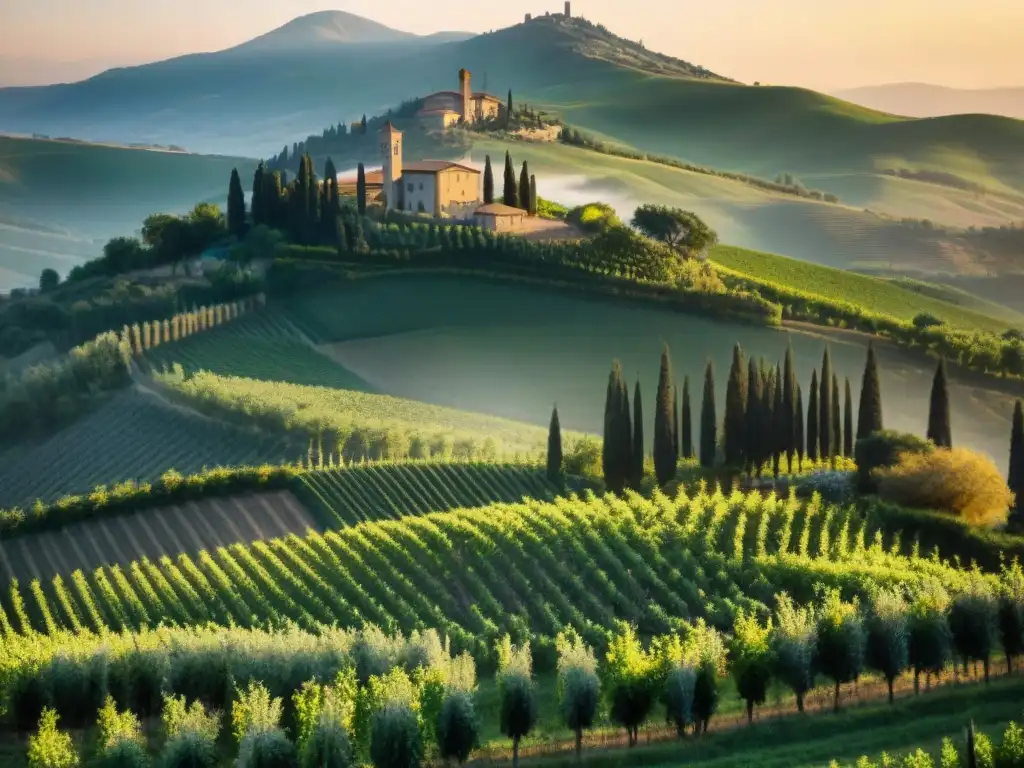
{"points": [[579, 688], [794, 644], [973, 619], [1011, 613], [395, 740], [516, 691], [750, 659], [840, 640], [705, 649], [629, 681], [681, 230], [458, 728], [888, 636], [677, 678], [930, 641]]}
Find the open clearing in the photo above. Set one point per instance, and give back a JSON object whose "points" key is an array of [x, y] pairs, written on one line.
{"points": [[477, 341]]}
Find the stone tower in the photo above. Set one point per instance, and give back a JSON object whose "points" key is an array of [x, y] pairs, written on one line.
{"points": [[391, 159], [568, 9], [467, 95]]}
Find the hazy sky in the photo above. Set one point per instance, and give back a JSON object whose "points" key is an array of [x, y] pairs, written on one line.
{"points": [[824, 44]]}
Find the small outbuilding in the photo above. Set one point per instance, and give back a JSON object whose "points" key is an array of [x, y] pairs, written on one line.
{"points": [[499, 217]]}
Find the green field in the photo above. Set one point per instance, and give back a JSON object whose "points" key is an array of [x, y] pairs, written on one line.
{"points": [[470, 343], [902, 299], [47, 221]]}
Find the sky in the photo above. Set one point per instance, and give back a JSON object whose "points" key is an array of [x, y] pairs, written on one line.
{"points": [[822, 44]]}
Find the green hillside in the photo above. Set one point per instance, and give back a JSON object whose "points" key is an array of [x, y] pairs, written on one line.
{"points": [[60, 201]]}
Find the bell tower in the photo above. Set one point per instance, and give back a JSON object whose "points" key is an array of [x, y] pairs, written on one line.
{"points": [[391, 157], [467, 95]]}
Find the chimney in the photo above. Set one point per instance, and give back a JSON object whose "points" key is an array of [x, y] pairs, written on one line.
{"points": [[568, 9], [467, 95]]}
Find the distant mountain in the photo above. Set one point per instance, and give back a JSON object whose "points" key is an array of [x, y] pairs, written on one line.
{"points": [[330, 28], [297, 80], [923, 100], [17, 71]]}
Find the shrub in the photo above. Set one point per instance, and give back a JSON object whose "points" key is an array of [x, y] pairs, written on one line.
{"points": [[50, 748], [328, 746], [395, 741], [189, 750], [458, 728], [835, 487], [123, 754], [267, 749], [954, 480], [883, 449]]}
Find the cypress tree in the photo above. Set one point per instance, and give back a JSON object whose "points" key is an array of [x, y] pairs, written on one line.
{"points": [[488, 181], [533, 195], [686, 419], [363, 124], [869, 412], [636, 474], [735, 436], [708, 419], [524, 187], [666, 446], [508, 108], [789, 406], [939, 428], [626, 433], [341, 235], [798, 430], [1015, 477], [258, 197], [848, 422], [614, 463], [361, 190], [837, 418], [826, 441], [236, 206], [766, 418], [812, 419], [755, 405], [554, 448], [782, 424], [676, 437], [510, 191]]}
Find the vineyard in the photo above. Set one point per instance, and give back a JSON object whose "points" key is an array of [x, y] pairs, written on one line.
{"points": [[477, 573], [133, 436], [355, 424], [261, 345]]}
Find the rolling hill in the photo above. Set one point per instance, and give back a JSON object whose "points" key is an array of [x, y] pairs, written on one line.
{"points": [[218, 102], [60, 201], [924, 100]]}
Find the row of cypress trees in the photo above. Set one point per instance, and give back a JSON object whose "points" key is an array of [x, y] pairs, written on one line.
{"points": [[521, 194]]}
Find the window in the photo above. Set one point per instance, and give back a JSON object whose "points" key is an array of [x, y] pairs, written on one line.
{"points": [[410, 186], [421, 186], [396, 149]]}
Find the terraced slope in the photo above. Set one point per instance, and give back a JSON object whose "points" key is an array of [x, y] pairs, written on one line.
{"points": [[134, 436]]}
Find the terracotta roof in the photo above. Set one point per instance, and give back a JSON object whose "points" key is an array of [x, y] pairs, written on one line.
{"points": [[435, 166], [475, 95], [437, 112], [372, 177], [499, 209], [488, 96]]}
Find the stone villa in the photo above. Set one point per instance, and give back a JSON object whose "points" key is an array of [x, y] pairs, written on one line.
{"points": [[446, 108]]}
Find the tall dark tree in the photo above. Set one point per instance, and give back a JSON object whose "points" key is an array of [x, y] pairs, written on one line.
{"points": [[362, 125], [837, 418], [488, 181], [617, 450], [636, 474], [686, 422], [361, 190], [236, 206], [510, 191], [869, 412], [939, 427], [766, 414], [524, 187], [676, 438], [554, 448], [1015, 477], [329, 202], [533, 195], [812, 419], [258, 198], [666, 447], [848, 421], [799, 446], [826, 441], [735, 426], [508, 108], [755, 405], [782, 422], [708, 419], [789, 408]]}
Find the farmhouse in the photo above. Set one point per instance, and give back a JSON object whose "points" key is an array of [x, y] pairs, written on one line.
{"points": [[499, 217], [429, 186], [446, 108]]}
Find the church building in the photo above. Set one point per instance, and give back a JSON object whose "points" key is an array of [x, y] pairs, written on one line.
{"points": [[429, 186], [446, 108]]}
